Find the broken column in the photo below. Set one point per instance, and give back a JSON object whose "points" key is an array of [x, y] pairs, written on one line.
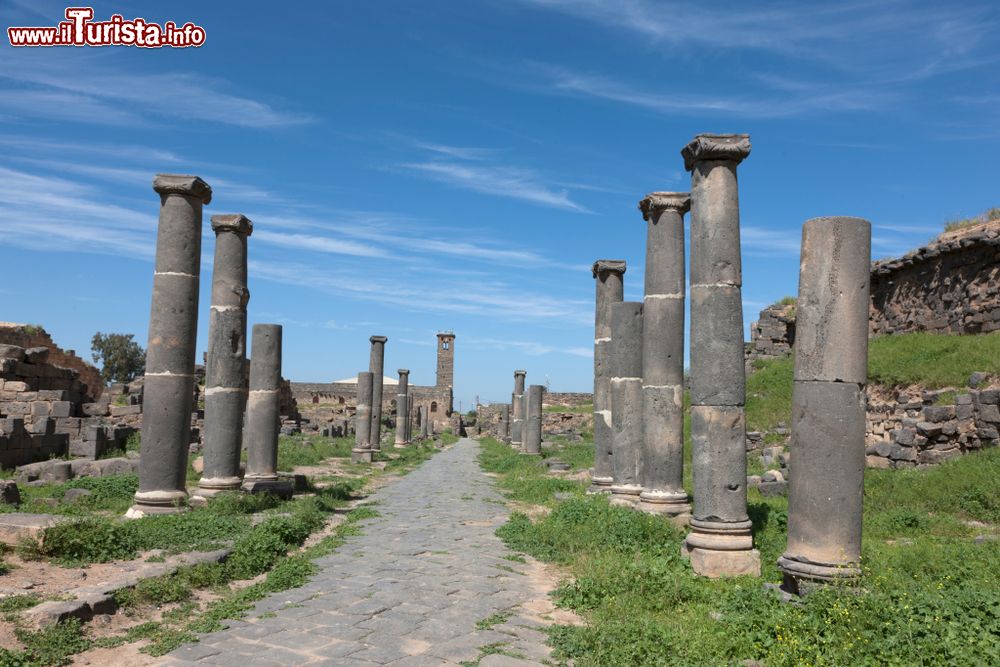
{"points": [[608, 274], [170, 353], [626, 402], [828, 404], [377, 367], [504, 423], [517, 407], [362, 452], [263, 420], [402, 395], [662, 474], [225, 391], [533, 423], [720, 541]]}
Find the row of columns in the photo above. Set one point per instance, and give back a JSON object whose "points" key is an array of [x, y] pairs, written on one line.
{"points": [[170, 359], [639, 379], [521, 421]]}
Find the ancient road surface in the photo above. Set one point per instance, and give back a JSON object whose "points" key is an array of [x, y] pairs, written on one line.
{"points": [[410, 591]]}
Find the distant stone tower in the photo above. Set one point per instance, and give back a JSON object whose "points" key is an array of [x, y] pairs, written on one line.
{"points": [[446, 360]]}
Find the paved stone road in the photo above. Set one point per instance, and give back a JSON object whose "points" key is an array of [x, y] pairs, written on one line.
{"points": [[410, 591]]}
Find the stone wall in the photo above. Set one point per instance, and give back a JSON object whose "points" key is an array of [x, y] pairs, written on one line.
{"points": [[911, 426], [329, 403], [28, 336], [951, 285], [570, 399], [772, 335]]}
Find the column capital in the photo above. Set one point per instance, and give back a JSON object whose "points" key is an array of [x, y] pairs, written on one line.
{"points": [[656, 202], [378, 339], [403, 371], [235, 222], [733, 147], [182, 184], [522, 373], [609, 265]]}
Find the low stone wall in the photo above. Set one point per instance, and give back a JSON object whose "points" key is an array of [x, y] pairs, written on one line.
{"points": [[911, 426]]}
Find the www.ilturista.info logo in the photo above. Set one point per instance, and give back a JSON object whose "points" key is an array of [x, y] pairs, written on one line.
{"points": [[81, 30]]}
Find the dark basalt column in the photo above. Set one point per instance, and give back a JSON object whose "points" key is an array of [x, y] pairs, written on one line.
{"points": [[225, 388], [377, 368], [720, 542], [608, 276], [826, 482], [170, 352], [517, 407], [662, 474], [626, 402], [533, 433], [362, 452], [263, 420]]}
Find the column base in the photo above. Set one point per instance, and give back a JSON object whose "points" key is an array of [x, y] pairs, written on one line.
{"points": [[664, 502], [625, 495], [718, 564], [277, 487], [362, 455], [157, 502], [798, 571], [721, 549], [212, 486], [720, 535], [599, 485]]}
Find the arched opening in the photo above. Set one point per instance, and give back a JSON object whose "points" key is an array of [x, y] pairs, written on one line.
{"points": [[340, 400], [315, 398], [434, 406], [393, 402]]}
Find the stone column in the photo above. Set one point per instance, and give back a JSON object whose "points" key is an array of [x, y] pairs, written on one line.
{"points": [[826, 472], [662, 474], [719, 543], [626, 402], [402, 391], [377, 367], [225, 390], [610, 288], [362, 452], [517, 408], [425, 427], [533, 423], [505, 423], [263, 420], [170, 351]]}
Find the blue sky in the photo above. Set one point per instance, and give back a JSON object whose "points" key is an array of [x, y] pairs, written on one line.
{"points": [[417, 166]]}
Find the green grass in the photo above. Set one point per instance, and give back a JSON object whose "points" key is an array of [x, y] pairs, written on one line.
{"points": [[960, 223], [929, 595], [931, 360], [524, 478], [302, 450], [574, 409]]}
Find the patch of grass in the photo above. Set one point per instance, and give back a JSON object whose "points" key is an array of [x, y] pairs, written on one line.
{"points": [[787, 301], [961, 223], [301, 450], [525, 478], [496, 619], [48, 647], [16, 603], [584, 409], [447, 437]]}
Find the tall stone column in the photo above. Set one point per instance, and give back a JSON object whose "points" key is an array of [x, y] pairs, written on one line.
{"points": [[263, 420], [425, 425], [170, 352], [505, 423], [377, 368], [826, 482], [626, 402], [662, 474], [402, 395], [362, 452], [225, 389], [517, 407], [720, 542], [608, 274], [533, 424]]}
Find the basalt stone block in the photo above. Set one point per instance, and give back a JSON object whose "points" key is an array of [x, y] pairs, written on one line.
{"points": [[36, 355], [663, 341], [11, 352], [939, 413], [717, 440], [718, 372]]}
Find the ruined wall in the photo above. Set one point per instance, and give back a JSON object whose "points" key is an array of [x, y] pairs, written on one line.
{"points": [[326, 405], [772, 335], [569, 399], [951, 285], [27, 336]]}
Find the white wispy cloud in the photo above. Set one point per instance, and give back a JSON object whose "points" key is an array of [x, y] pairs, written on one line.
{"points": [[530, 348], [91, 90], [324, 244], [502, 181], [758, 239]]}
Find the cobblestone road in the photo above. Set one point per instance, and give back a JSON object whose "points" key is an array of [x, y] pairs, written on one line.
{"points": [[410, 591]]}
